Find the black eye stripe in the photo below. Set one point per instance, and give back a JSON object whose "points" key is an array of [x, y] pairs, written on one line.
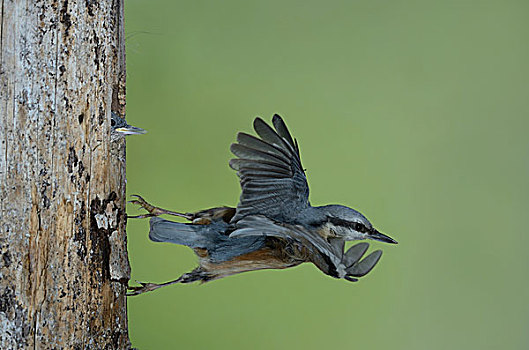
{"points": [[339, 222], [344, 223]]}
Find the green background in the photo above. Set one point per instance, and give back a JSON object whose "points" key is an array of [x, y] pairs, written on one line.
{"points": [[413, 112]]}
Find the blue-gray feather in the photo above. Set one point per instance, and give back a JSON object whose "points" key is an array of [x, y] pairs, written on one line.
{"points": [[324, 255], [273, 182], [211, 237]]}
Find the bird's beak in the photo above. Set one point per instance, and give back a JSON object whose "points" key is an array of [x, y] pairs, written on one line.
{"points": [[131, 130], [378, 236]]}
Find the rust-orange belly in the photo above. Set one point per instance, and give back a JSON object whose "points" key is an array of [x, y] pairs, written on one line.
{"points": [[265, 258]]}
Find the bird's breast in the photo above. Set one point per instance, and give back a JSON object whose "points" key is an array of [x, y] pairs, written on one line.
{"points": [[264, 258]]}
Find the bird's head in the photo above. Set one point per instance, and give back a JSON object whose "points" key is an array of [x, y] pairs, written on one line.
{"points": [[120, 128], [350, 225]]}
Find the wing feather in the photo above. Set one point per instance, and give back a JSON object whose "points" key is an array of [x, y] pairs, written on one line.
{"points": [[282, 130], [321, 253], [247, 164], [272, 179], [255, 143], [328, 256], [245, 152]]}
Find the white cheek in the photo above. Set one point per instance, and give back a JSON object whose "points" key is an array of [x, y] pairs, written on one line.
{"points": [[341, 231], [354, 236], [351, 235]]}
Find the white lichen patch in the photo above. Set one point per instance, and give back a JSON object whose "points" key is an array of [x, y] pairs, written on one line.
{"points": [[119, 267], [102, 221]]}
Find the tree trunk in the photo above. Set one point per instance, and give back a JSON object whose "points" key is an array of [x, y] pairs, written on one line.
{"points": [[63, 259]]}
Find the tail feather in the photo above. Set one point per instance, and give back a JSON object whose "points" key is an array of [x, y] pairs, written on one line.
{"points": [[175, 232], [211, 237]]}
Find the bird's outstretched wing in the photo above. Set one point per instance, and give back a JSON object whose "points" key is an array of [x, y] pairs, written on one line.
{"points": [[311, 247], [272, 179]]}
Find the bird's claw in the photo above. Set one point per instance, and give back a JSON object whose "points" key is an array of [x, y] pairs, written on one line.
{"points": [[141, 202], [151, 209], [154, 211], [140, 216], [142, 288]]}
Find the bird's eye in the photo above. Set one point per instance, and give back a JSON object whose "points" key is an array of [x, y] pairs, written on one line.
{"points": [[358, 227], [112, 122]]}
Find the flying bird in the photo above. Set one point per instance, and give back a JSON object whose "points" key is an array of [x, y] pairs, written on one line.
{"points": [[274, 226]]}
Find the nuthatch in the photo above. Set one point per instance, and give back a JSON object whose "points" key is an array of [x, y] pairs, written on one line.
{"points": [[120, 128], [274, 226]]}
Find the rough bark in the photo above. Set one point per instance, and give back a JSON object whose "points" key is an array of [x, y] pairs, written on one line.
{"points": [[63, 261]]}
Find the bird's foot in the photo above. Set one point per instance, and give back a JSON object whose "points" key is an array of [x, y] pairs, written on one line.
{"points": [[145, 287], [142, 288], [152, 210]]}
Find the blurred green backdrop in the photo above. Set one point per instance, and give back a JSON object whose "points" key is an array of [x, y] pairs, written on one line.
{"points": [[413, 112]]}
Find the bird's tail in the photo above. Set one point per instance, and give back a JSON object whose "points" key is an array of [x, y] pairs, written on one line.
{"points": [[175, 232], [220, 247]]}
